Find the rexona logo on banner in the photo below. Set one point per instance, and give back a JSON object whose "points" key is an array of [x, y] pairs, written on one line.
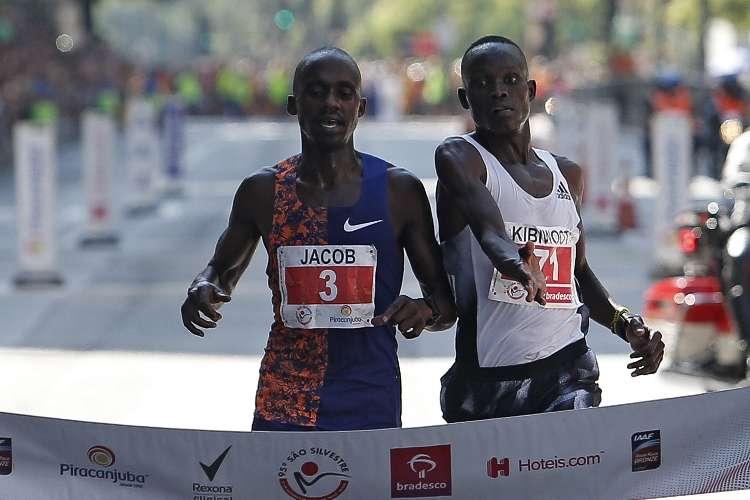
{"points": [[314, 473], [210, 491], [423, 471], [101, 466], [501, 467], [646, 450], [6, 457]]}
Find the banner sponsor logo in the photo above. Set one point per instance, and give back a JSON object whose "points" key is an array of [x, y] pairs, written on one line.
{"points": [[501, 467], [103, 458], [646, 450], [314, 473], [202, 491], [101, 455], [6, 457], [423, 471], [497, 468]]}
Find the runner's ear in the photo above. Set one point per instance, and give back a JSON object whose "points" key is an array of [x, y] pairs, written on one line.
{"points": [[462, 98], [362, 107], [532, 89], [291, 105]]}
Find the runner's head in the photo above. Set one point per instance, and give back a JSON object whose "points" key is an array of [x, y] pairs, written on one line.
{"points": [[496, 82], [327, 97]]}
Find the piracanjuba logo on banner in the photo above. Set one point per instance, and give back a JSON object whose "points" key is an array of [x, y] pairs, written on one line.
{"points": [[422, 471], [312, 473], [101, 467], [6, 456], [213, 491]]}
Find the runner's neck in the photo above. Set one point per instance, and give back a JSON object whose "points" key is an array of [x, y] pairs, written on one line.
{"points": [[509, 149], [326, 169]]}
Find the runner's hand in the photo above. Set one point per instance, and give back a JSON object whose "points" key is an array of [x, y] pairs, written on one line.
{"points": [[532, 278], [410, 315], [647, 347], [203, 297]]}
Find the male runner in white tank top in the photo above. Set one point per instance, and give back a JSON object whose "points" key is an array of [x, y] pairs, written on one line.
{"points": [[514, 248]]}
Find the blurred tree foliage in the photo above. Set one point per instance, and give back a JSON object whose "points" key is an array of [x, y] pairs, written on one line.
{"points": [[687, 12], [171, 30]]}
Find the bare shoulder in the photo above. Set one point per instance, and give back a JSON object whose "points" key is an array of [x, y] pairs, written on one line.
{"points": [[255, 194], [457, 153], [404, 181], [258, 183], [572, 172]]}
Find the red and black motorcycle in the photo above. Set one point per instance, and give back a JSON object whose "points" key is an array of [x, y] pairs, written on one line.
{"points": [[692, 311]]}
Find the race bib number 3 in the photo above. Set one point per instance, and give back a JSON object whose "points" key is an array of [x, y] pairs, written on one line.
{"points": [[555, 248], [327, 286]]}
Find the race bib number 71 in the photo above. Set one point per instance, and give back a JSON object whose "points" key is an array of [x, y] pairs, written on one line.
{"points": [[327, 286], [556, 249]]}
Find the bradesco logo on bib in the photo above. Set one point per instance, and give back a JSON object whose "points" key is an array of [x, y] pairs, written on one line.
{"points": [[556, 249], [327, 286]]}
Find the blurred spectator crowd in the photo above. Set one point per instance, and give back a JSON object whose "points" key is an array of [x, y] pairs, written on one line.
{"points": [[45, 77]]}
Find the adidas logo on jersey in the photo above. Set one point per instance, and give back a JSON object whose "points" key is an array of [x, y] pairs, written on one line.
{"points": [[562, 192]]}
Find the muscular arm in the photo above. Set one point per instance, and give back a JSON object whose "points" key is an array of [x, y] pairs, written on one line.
{"points": [[648, 349], [600, 303], [417, 235], [461, 174], [234, 249]]}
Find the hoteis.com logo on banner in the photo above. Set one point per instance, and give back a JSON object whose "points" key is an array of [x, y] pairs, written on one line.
{"points": [[498, 467], [6, 456], [422, 471], [314, 474], [646, 450]]}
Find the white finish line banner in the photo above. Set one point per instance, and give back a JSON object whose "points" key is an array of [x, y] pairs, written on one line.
{"points": [[681, 446]]}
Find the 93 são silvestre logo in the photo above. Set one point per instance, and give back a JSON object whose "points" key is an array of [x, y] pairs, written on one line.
{"points": [[101, 466], [314, 473]]}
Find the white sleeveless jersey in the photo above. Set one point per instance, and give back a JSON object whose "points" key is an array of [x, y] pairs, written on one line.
{"points": [[497, 327]]}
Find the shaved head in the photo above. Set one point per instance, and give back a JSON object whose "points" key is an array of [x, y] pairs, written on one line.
{"points": [[482, 44], [324, 53]]}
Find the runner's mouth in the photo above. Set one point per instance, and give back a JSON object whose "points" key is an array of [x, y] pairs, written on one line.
{"points": [[331, 123]]}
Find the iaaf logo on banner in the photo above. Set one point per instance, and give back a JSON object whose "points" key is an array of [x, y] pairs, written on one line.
{"points": [[212, 491], [314, 474], [6, 457], [103, 459], [646, 450], [423, 471]]}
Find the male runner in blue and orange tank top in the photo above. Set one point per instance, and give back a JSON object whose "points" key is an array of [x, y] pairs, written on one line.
{"points": [[506, 210], [335, 223]]}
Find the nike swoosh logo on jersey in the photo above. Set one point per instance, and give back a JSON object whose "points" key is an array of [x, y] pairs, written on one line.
{"points": [[350, 228]]}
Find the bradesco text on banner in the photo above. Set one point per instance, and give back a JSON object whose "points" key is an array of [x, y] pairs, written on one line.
{"points": [[680, 446]]}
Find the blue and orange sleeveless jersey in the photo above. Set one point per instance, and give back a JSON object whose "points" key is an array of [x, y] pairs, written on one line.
{"points": [[331, 266]]}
